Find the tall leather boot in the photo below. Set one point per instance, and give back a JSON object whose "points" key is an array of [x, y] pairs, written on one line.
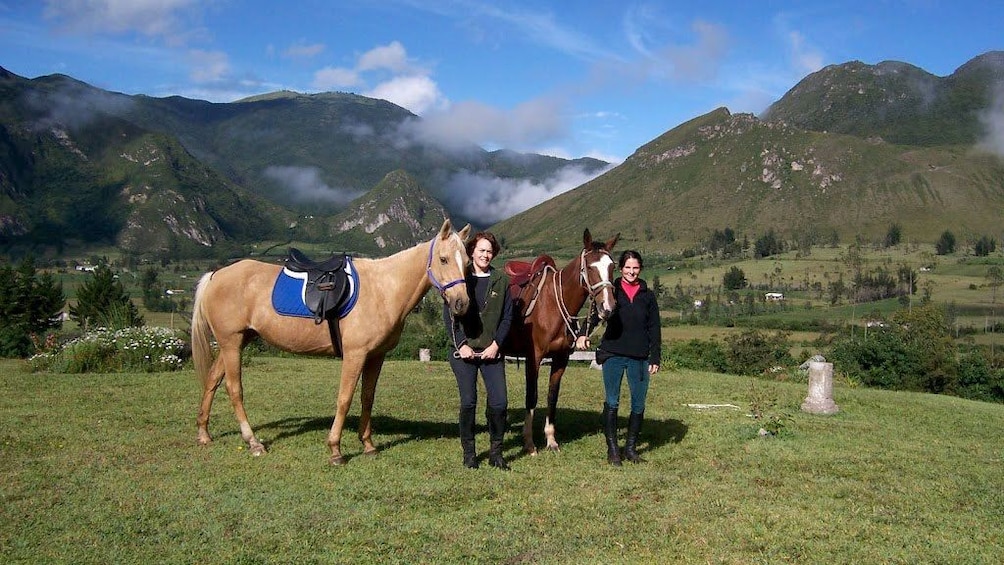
{"points": [[610, 433], [497, 423], [634, 426], [467, 437]]}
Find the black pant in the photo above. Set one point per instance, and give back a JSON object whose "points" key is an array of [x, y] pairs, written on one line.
{"points": [[492, 373]]}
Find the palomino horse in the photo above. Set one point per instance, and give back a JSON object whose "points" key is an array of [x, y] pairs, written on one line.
{"points": [[234, 303], [548, 329]]}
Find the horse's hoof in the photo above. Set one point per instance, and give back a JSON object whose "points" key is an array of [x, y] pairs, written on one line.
{"points": [[531, 451], [372, 452], [554, 448], [336, 460], [258, 450]]}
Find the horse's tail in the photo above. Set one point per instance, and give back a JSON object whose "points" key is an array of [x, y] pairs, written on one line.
{"points": [[202, 350]]}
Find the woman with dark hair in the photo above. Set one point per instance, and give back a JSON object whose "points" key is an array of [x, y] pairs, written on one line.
{"points": [[631, 345], [476, 338]]}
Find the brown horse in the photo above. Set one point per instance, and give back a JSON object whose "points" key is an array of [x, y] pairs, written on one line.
{"points": [[234, 303], [549, 304]]}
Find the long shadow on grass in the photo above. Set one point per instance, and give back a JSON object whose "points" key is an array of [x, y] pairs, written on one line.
{"points": [[572, 425]]}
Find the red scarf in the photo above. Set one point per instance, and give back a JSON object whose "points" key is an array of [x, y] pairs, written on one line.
{"points": [[630, 289]]}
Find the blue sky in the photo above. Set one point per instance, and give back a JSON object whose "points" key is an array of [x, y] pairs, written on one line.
{"points": [[574, 78]]}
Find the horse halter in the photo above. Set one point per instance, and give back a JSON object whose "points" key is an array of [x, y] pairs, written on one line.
{"points": [[442, 288], [593, 289]]}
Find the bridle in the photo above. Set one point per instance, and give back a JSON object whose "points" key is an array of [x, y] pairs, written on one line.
{"points": [[442, 288], [593, 291]]}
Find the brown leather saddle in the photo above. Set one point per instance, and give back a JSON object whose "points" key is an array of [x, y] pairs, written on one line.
{"points": [[520, 274]]}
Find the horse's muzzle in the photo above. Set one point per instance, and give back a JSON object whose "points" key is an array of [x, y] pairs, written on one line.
{"points": [[604, 314], [458, 306]]}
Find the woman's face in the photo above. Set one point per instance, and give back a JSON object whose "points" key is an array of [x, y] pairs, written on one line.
{"points": [[482, 255], [631, 270]]}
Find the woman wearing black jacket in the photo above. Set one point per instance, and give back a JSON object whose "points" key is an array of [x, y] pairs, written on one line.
{"points": [[476, 338], [632, 345]]}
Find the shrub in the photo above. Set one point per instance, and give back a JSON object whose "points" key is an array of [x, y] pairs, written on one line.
{"points": [[753, 352], [132, 349], [698, 355]]}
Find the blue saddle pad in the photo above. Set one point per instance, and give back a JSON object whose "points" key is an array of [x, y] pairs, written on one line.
{"points": [[290, 289]]}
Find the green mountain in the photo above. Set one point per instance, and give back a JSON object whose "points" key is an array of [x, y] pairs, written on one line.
{"points": [[395, 214], [80, 164], [792, 172], [896, 102]]}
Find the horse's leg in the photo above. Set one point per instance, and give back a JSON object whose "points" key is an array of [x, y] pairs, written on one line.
{"points": [[371, 373], [230, 355], [558, 365], [351, 367], [532, 370], [209, 386]]}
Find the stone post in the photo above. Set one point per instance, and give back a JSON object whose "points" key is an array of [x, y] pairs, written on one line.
{"points": [[425, 355], [820, 398]]}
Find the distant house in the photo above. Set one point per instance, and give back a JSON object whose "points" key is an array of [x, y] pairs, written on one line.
{"points": [[773, 296], [698, 303]]}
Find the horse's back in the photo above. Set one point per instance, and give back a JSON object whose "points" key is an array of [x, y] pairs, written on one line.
{"points": [[234, 292]]}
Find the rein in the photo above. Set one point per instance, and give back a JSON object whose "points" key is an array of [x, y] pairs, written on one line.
{"points": [[442, 288], [591, 290]]}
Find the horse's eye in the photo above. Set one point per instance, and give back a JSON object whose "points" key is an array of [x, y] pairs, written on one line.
{"points": [[442, 260]]}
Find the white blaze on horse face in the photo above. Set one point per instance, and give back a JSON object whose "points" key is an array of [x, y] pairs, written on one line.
{"points": [[604, 267], [460, 256]]}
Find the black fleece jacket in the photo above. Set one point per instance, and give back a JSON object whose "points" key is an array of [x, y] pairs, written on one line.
{"points": [[634, 329]]}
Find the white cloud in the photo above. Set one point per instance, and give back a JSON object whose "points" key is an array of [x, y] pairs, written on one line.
{"points": [[208, 66], [303, 50], [392, 57], [531, 124], [487, 200], [149, 17], [336, 78], [304, 186], [416, 93], [664, 55], [992, 119], [804, 58]]}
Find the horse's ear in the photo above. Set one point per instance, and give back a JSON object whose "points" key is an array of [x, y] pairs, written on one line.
{"points": [[444, 232], [465, 233], [587, 239], [613, 242]]}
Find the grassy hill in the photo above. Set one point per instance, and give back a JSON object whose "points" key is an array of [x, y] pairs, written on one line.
{"points": [[737, 171]]}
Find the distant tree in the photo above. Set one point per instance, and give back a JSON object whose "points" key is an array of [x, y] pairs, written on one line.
{"points": [[985, 246], [103, 300], [153, 293], [767, 245], [894, 235], [30, 304], [995, 276], [735, 279], [945, 244], [657, 288]]}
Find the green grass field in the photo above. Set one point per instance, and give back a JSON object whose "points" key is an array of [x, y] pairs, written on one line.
{"points": [[105, 469]]}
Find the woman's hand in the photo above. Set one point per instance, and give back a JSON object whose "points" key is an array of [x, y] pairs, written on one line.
{"points": [[653, 369], [490, 352], [582, 342], [466, 352]]}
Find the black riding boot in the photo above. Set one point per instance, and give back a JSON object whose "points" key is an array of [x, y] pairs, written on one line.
{"points": [[497, 423], [610, 433], [634, 426], [467, 437]]}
